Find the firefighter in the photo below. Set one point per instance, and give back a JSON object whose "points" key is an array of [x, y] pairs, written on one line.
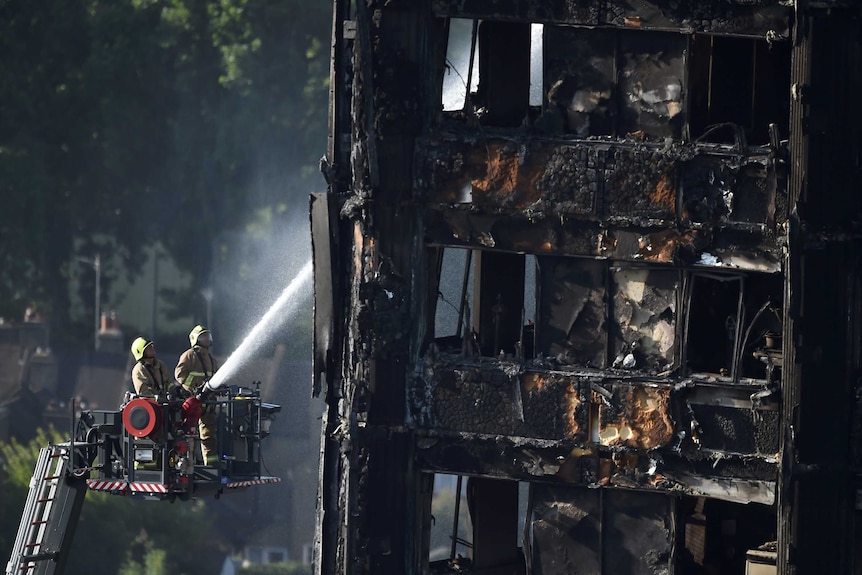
{"points": [[196, 367], [150, 375]]}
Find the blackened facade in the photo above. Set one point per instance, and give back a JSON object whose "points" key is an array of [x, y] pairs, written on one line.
{"points": [[600, 259]]}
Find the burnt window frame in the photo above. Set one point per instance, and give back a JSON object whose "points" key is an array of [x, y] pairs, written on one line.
{"points": [[689, 311], [701, 119], [496, 101], [749, 314], [721, 122], [471, 317]]}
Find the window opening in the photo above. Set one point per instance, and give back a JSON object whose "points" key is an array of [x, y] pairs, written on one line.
{"points": [[714, 307], [451, 523], [459, 70], [738, 87], [615, 82], [601, 531], [494, 511], [650, 81], [503, 94], [536, 65], [454, 297], [478, 522], [760, 350], [716, 536], [499, 301], [580, 76], [528, 319]]}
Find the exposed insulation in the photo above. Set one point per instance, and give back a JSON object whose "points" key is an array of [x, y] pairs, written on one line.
{"points": [[571, 179], [640, 183], [495, 399], [738, 430], [637, 417]]}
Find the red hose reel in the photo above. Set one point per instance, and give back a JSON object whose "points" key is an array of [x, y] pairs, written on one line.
{"points": [[142, 417]]}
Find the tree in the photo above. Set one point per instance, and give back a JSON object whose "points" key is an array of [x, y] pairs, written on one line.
{"points": [[152, 564], [128, 121]]}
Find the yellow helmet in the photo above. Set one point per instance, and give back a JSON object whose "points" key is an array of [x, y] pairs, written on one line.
{"points": [[198, 331], [138, 347]]}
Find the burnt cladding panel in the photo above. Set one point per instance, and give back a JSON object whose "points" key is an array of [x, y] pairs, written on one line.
{"points": [[565, 529], [645, 312], [752, 201], [579, 72], [635, 416], [752, 18], [637, 533], [572, 312], [471, 400], [593, 531], [571, 179], [651, 83], [738, 17], [496, 401], [715, 190], [706, 183], [587, 12], [322, 240], [614, 82]]}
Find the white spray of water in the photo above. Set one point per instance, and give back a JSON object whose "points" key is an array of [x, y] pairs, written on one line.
{"points": [[284, 307]]}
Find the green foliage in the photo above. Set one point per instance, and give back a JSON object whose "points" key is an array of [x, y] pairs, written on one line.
{"points": [[153, 564], [116, 533], [17, 461], [125, 531], [284, 568], [128, 121]]}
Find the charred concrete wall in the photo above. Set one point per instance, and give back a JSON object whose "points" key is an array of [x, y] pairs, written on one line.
{"points": [[654, 210]]}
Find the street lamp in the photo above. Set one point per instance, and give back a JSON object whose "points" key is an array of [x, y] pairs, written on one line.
{"points": [[97, 266]]}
